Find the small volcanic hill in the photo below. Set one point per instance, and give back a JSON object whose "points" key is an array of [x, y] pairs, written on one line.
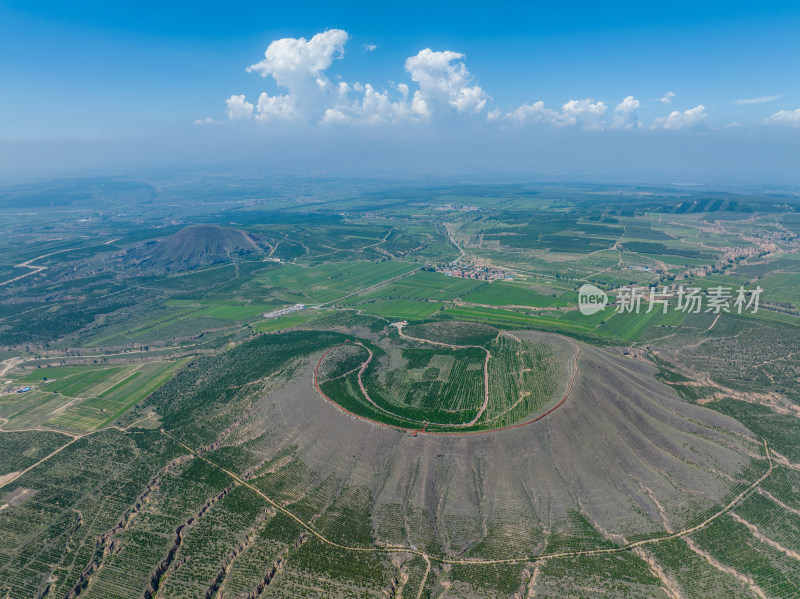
{"points": [[573, 504], [198, 245], [624, 455]]}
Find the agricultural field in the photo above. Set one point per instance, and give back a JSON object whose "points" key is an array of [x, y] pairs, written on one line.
{"points": [[498, 381], [173, 424], [330, 282], [504, 294], [425, 286], [81, 398]]}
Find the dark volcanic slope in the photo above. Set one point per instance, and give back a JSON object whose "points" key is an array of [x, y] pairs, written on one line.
{"points": [[624, 453], [198, 245]]}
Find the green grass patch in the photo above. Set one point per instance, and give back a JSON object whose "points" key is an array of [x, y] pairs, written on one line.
{"points": [[291, 320], [506, 294], [630, 327], [425, 285], [114, 401], [401, 309], [82, 384], [327, 282]]}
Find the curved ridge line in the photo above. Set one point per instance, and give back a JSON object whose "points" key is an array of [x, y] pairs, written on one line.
{"points": [[425, 432]]}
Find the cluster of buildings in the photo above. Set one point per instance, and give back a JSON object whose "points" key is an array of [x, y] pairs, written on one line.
{"points": [[284, 311], [456, 207], [480, 273]]}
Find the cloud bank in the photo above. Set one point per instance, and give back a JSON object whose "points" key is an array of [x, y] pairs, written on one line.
{"points": [[693, 118], [439, 88], [443, 84], [787, 118], [585, 113]]}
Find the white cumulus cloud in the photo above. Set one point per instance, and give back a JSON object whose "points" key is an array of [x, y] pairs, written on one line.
{"points": [[587, 113], [239, 109], [534, 113], [626, 117], [440, 86], [444, 81], [494, 115], [298, 65], [281, 108], [787, 118], [333, 115], [444, 85], [291, 59], [374, 107], [688, 119]]}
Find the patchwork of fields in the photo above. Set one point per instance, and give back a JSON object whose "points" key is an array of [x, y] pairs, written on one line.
{"points": [[403, 433]]}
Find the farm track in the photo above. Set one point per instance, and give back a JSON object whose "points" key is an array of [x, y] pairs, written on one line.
{"points": [[34, 269], [7, 365], [366, 394], [371, 288], [37, 269], [462, 304], [75, 437], [452, 240], [424, 576], [394, 549], [43, 460], [361, 370], [485, 404]]}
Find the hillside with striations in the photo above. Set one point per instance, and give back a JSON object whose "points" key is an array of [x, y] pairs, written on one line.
{"points": [[198, 245]]}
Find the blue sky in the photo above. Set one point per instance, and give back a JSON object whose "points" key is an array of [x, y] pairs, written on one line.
{"points": [[678, 89]]}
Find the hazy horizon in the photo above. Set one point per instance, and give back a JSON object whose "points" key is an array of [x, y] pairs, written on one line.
{"points": [[697, 94]]}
